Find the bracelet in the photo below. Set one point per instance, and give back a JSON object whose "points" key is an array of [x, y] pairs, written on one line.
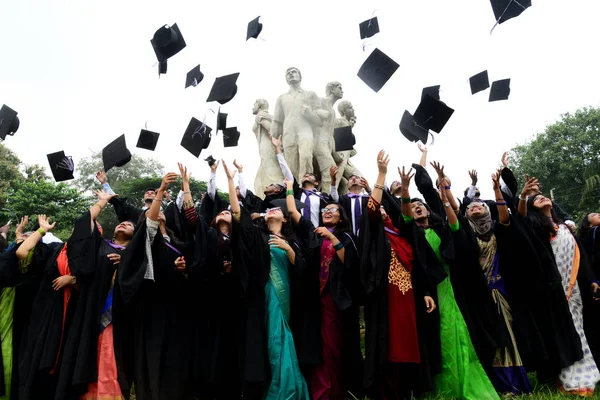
{"points": [[406, 200], [187, 192], [157, 200], [41, 232], [522, 198], [73, 280], [378, 186], [447, 187], [289, 192], [338, 246], [500, 203]]}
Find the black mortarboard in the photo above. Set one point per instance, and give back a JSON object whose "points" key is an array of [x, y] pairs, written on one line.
{"points": [[148, 140], [224, 88], [433, 91], [412, 131], [377, 69], [210, 160], [221, 121], [194, 77], [62, 166], [368, 28], [479, 82], [196, 137], [254, 28], [507, 9], [231, 137], [167, 42], [282, 203], [162, 67], [116, 154], [500, 90], [344, 138], [432, 114], [9, 122]]}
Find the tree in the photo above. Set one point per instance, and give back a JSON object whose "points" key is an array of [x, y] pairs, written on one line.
{"points": [[563, 157], [9, 171]]}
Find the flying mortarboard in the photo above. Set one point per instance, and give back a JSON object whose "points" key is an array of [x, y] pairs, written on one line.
{"points": [[167, 42], [196, 137], [231, 136], [194, 77], [147, 140], [500, 90], [369, 28], [344, 138], [377, 69], [116, 154], [221, 120], [62, 166], [432, 114], [282, 203], [254, 29], [210, 160], [479, 82], [411, 130], [9, 122], [507, 9], [224, 89], [433, 91], [162, 67]]}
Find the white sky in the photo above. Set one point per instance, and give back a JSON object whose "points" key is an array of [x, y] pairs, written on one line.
{"points": [[81, 73]]}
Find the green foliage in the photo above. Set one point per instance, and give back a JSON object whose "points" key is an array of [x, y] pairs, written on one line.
{"points": [[563, 157], [9, 171]]}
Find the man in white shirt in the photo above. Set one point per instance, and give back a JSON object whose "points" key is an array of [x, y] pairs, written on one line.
{"points": [[355, 201]]}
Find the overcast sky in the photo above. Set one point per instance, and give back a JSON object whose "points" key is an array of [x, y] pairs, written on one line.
{"points": [[81, 73]]}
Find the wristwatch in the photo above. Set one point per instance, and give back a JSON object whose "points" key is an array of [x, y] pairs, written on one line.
{"points": [[447, 204]]}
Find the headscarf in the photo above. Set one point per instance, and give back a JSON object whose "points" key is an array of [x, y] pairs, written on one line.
{"points": [[481, 224]]}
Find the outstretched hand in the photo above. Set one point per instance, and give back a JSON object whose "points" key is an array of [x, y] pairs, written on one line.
{"points": [[405, 177], [230, 174], [333, 174], [45, 224], [101, 176], [167, 180], [183, 171], [473, 175], [505, 159], [439, 168], [214, 167], [239, 167], [104, 195], [422, 147], [382, 162], [530, 185], [496, 179]]}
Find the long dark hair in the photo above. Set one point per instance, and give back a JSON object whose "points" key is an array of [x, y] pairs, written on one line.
{"points": [[223, 245], [287, 230], [540, 223], [584, 226], [343, 226], [434, 219]]}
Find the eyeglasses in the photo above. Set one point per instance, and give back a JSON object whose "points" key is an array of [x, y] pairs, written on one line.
{"points": [[329, 210], [272, 210]]}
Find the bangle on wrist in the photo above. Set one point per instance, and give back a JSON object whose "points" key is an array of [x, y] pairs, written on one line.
{"points": [[500, 203], [406, 200], [522, 198], [447, 187], [338, 246], [41, 232], [378, 186], [289, 192]]}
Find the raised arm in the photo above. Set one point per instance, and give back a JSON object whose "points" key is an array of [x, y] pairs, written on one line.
{"points": [[450, 214], [442, 181], [211, 187], [35, 237], [96, 209], [473, 188], [423, 161], [21, 228], [241, 181], [291, 202], [382, 163], [154, 211], [529, 185], [406, 178], [333, 192], [285, 169], [503, 216], [233, 200]]}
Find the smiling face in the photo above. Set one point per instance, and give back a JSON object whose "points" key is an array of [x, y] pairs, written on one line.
{"points": [[149, 195], [224, 216], [419, 210], [594, 219], [541, 202], [124, 229], [476, 209], [331, 215], [274, 214]]}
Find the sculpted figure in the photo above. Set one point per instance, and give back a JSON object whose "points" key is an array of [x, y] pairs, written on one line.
{"points": [[269, 171], [342, 158], [294, 121]]}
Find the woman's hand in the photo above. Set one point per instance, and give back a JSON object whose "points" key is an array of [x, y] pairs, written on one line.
{"points": [[333, 174], [230, 174], [101, 176], [289, 184], [429, 304], [442, 190], [496, 179], [382, 162], [279, 243], [324, 232], [473, 176], [504, 159], [45, 224], [115, 258], [104, 195], [180, 264], [214, 167], [422, 147], [62, 282], [365, 184], [167, 180], [405, 177], [183, 171], [530, 184], [439, 169], [239, 167]]}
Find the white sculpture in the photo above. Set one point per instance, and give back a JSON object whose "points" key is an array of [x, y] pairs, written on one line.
{"points": [[342, 158], [269, 171]]}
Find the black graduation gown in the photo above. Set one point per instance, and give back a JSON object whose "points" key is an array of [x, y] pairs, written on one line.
{"points": [[152, 322], [344, 286], [26, 283], [375, 253], [88, 261], [590, 244]]}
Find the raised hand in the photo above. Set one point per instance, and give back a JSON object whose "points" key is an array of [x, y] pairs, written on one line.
{"points": [[473, 175], [333, 174], [4, 229], [382, 162], [230, 174], [496, 179], [183, 171], [45, 224], [505, 159], [214, 167], [101, 176], [104, 195], [439, 168], [530, 185], [21, 227], [239, 167], [422, 147], [167, 180], [405, 177], [289, 184], [365, 184]]}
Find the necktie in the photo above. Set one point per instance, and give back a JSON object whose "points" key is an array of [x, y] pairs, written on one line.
{"points": [[306, 210], [357, 210]]}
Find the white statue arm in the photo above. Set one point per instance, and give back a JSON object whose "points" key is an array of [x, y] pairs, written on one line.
{"points": [[278, 117]]}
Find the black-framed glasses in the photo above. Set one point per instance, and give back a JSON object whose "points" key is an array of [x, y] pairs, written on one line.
{"points": [[329, 210], [271, 210]]}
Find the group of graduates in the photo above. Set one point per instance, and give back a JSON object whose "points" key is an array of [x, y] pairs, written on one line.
{"points": [[261, 297]]}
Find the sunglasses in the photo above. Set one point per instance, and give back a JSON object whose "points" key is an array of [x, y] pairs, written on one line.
{"points": [[329, 210], [272, 210]]}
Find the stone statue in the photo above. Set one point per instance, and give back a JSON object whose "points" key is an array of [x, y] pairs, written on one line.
{"points": [[269, 171], [324, 143], [294, 121], [342, 158]]}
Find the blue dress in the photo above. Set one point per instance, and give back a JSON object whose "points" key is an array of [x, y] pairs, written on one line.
{"points": [[287, 382]]}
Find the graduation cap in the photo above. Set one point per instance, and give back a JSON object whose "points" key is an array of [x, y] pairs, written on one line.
{"points": [[194, 77], [377, 69], [162, 67], [224, 89], [479, 82], [116, 154], [210, 160], [500, 90], [196, 137], [254, 29], [433, 91], [432, 114], [167, 42], [282, 203], [231, 136], [147, 140], [221, 120], [411, 130], [344, 138], [9, 122], [507, 9], [62, 166], [369, 28]]}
